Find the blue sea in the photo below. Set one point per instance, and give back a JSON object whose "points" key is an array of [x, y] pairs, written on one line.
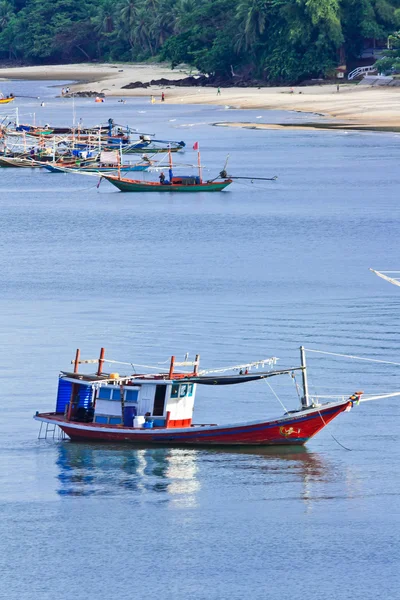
{"points": [[245, 274]]}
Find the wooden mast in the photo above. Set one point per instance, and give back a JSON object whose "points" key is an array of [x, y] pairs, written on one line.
{"points": [[305, 400], [101, 361]]}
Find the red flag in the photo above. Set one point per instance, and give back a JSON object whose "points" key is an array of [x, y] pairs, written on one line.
{"points": [[196, 146]]}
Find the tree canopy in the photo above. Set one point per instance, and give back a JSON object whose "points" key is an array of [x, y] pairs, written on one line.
{"points": [[271, 40]]}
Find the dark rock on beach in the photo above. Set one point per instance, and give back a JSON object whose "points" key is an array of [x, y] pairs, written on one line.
{"points": [[84, 95]]}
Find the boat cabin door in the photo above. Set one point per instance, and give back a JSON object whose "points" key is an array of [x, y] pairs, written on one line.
{"points": [[159, 401]]}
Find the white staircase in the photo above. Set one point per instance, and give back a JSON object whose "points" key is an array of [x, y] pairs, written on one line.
{"points": [[361, 71]]}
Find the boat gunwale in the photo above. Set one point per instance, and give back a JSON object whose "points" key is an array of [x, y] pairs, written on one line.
{"points": [[287, 419]]}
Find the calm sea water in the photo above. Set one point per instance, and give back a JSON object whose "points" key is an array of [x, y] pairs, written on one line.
{"points": [[245, 274]]}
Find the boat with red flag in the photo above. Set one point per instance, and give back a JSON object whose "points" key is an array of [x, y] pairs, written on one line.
{"points": [[157, 408]]}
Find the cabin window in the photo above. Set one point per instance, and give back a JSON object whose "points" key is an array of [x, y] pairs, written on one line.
{"points": [[116, 394], [175, 391], [131, 395], [190, 389], [104, 393], [183, 391], [114, 420], [101, 419]]}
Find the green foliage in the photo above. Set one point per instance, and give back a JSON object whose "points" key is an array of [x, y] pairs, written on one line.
{"points": [[275, 40]]}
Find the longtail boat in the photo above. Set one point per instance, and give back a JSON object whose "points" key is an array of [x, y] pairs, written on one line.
{"points": [[95, 168], [158, 408], [182, 183], [176, 184], [108, 162], [7, 100]]}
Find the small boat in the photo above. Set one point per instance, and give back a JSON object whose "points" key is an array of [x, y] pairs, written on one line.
{"points": [[158, 408], [176, 184], [95, 168], [145, 144], [182, 183], [108, 162], [7, 100]]}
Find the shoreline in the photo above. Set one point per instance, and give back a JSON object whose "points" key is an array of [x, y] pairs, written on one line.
{"points": [[354, 105]]}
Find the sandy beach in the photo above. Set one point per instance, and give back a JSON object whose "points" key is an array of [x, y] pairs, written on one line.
{"points": [[353, 104]]}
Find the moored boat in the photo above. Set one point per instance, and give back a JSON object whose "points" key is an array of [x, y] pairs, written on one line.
{"points": [[158, 408], [175, 183], [7, 100]]}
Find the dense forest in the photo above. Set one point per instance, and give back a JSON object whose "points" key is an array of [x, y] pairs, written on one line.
{"points": [[272, 40]]}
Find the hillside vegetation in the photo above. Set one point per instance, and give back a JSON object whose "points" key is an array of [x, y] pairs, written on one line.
{"points": [[272, 40]]}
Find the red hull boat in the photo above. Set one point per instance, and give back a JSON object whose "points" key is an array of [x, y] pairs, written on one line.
{"points": [[289, 430], [158, 408]]}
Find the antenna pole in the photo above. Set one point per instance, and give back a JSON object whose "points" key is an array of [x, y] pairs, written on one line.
{"points": [[305, 401]]}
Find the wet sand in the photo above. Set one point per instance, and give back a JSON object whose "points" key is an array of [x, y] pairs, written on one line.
{"points": [[358, 105]]}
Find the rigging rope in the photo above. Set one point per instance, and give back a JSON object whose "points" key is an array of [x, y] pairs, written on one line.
{"points": [[375, 360], [276, 395]]}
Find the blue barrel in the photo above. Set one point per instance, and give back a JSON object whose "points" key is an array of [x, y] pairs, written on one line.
{"points": [[129, 413]]}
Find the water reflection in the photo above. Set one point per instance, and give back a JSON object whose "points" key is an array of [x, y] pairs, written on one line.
{"points": [[86, 470], [287, 467], [174, 475]]}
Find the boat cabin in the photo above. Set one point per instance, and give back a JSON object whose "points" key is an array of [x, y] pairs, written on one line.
{"points": [[139, 401]]}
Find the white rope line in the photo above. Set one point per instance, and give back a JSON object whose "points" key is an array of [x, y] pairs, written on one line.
{"points": [[133, 365], [276, 395], [393, 280], [266, 361], [375, 360], [393, 395], [364, 398]]}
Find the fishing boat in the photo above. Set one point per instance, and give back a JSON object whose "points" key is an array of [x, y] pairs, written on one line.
{"points": [[7, 100], [175, 184], [148, 145], [147, 408], [95, 168], [108, 162], [181, 183]]}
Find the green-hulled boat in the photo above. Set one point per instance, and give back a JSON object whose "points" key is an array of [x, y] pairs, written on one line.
{"points": [[177, 184]]}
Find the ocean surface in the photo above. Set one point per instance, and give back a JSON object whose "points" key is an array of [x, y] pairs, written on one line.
{"points": [[245, 274]]}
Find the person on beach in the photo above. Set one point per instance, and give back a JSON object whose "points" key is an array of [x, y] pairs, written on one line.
{"points": [[162, 97], [219, 91]]}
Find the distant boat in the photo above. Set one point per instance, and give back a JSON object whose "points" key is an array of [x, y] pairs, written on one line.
{"points": [[175, 183], [107, 162], [158, 408], [7, 100], [384, 275]]}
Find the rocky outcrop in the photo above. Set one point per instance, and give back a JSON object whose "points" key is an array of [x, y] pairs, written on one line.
{"points": [[84, 95], [201, 81]]}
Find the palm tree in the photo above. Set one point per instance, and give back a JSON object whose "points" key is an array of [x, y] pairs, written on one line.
{"points": [[6, 14], [252, 18]]}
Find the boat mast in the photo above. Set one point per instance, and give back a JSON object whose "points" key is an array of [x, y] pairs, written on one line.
{"points": [[170, 164], [199, 164], [305, 400]]}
